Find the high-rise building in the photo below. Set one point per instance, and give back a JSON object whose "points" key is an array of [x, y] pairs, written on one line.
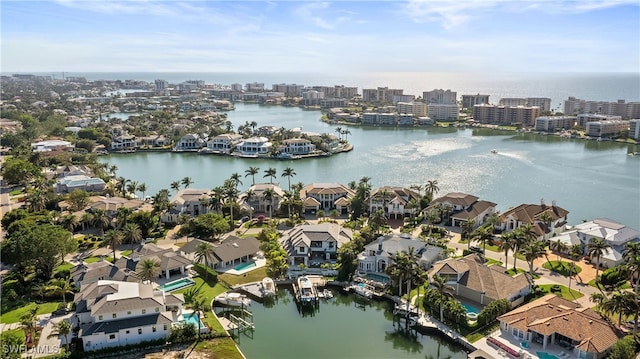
{"points": [[254, 87], [418, 109], [468, 101], [627, 110], [161, 84], [440, 97], [380, 94], [443, 112], [236, 87], [634, 129], [506, 115]]}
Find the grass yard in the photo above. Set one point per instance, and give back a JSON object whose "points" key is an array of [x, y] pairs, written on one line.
{"points": [[564, 291], [475, 336], [63, 266], [493, 261], [592, 283], [94, 259], [511, 272], [208, 293], [219, 348], [254, 276], [13, 316], [126, 253], [561, 267], [494, 248]]}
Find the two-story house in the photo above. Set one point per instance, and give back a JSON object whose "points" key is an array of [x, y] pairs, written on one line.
{"points": [[394, 201], [547, 221], [256, 201], [462, 207], [326, 196], [297, 146], [190, 201], [378, 255], [314, 243], [124, 142], [254, 146], [191, 142], [114, 313], [223, 143]]}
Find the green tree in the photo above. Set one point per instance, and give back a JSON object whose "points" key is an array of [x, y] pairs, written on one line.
{"points": [[61, 287], [252, 171], [205, 254], [532, 251], [61, 329], [132, 233], [507, 243], [268, 195], [559, 247], [466, 228], [482, 235], [443, 292], [148, 269], [12, 341], [113, 239], [186, 182], [271, 173], [101, 220], [210, 225], [19, 171], [431, 188], [199, 306], [175, 185], [289, 173], [631, 258], [624, 348], [142, 187], [596, 249]]}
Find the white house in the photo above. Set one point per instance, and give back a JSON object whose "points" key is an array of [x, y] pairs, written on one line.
{"points": [[534, 214], [124, 142], [394, 201], [83, 182], [298, 146], [191, 201], [226, 254], [191, 142], [257, 201], [326, 196], [52, 146], [113, 313], [311, 243], [254, 146], [223, 143], [377, 256]]}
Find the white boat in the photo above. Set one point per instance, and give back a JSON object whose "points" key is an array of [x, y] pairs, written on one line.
{"points": [[363, 290], [306, 290], [233, 299], [327, 294], [268, 287]]}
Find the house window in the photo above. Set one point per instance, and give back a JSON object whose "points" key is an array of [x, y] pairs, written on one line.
{"points": [[301, 250], [153, 329], [99, 317], [144, 311], [139, 330], [114, 315], [112, 336], [157, 310], [128, 312], [127, 332], [165, 327]]}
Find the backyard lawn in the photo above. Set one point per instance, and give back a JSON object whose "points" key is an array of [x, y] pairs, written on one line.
{"points": [[254, 276], [561, 267], [94, 259], [208, 293], [63, 266], [220, 348], [13, 316], [592, 283]]}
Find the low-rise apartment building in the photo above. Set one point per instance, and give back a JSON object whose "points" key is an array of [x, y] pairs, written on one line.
{"points": [[555, 123], [609, 128]]}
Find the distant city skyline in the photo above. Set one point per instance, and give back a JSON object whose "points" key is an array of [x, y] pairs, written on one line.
{"points": [[336, 37]]}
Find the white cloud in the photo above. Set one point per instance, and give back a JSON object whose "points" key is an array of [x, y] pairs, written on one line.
{"points": [[449, 13], [309, 13]]}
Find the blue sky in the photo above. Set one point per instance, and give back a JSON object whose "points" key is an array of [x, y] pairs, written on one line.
{"points": [[338, 36]]}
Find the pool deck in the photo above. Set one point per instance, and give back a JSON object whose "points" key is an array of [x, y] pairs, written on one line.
{"points": [[530, 352], [259, 264]]}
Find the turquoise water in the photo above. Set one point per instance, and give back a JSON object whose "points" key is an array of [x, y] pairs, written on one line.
{"points": [[246, 265], [192, 319], [377, 277], [470, 308], [544, 355], [177, 284]]}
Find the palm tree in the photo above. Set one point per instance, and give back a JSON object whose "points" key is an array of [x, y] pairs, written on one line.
{"points": [[29, 321], [122, 215], [132, 233], [597, 248], [175, 185], [617, 303], [444, 292], [112, 170], [482, 235], [61, 328], [252, 171], [148, 269], [142, 187], [431, 188], [113, 238], [547, 219], [132, 186], [60, 287], [271, 173], [288, 172], [507, 243], [346, 133], [532, 251], [235, 178], [231, 195], [204, 253], [122, 186], [248, 197], [417, 187], [560, 247], [268, 195], [339, 131], [69, 222], [101, 220], [86, 220], [198, 305], [216, 197], [466, 227], [631, 257], [186, 182]]}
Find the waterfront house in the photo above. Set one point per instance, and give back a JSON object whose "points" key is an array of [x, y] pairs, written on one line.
{"points": [[124, 142], [326, 196], [258, 203], [394, 201], [191, 142], [153, 141], [554, 321], [474, 280], [87, 273], [254, 146], [52, 146], [70, 183], [227, 253], [224, 143], [189, 201], [314, 243], [378, 255], [613, 233], [110, 205], [115, 313], [463, 207], [297, 146], [534, 214]]}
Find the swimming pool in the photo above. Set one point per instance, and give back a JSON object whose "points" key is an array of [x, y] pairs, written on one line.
{"points": [[470, 308], [246, 265], [377, 277], [545, 355], [177, 284], [192, 319]]}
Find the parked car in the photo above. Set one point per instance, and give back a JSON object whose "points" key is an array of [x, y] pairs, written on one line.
{"points": [[476, 249]]}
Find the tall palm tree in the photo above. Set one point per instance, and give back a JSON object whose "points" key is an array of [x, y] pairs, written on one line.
{"points": [[86, 220], [268, 195], [532, 251], [482, 235], [631, 258], [101, 220], [507, 243], [69, 222], [122, 216], [560, 247], [248, 197], [431, 188], [444, 292], [186, 182], [113, 238], [112, 170], [597, 248], [121, 185], [60, 287], [132, 186], [216, 197], [148, 269], [231, 195], [61, 328], [252, 171], [417, 187], [204, 254], [547, 219], [132, 233], [235, 178], [198, 305], [175, 185], [288, 172], [466, 227], [339, 131], [617, 303], [271, 173], [29, 321], [142, 187]]}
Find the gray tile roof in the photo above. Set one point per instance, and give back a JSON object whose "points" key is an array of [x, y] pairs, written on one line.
{"points": [[115, 326]]}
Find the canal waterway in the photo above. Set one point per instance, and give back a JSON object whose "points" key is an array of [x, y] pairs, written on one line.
{"points": [[342, 327], [589, 178]]}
